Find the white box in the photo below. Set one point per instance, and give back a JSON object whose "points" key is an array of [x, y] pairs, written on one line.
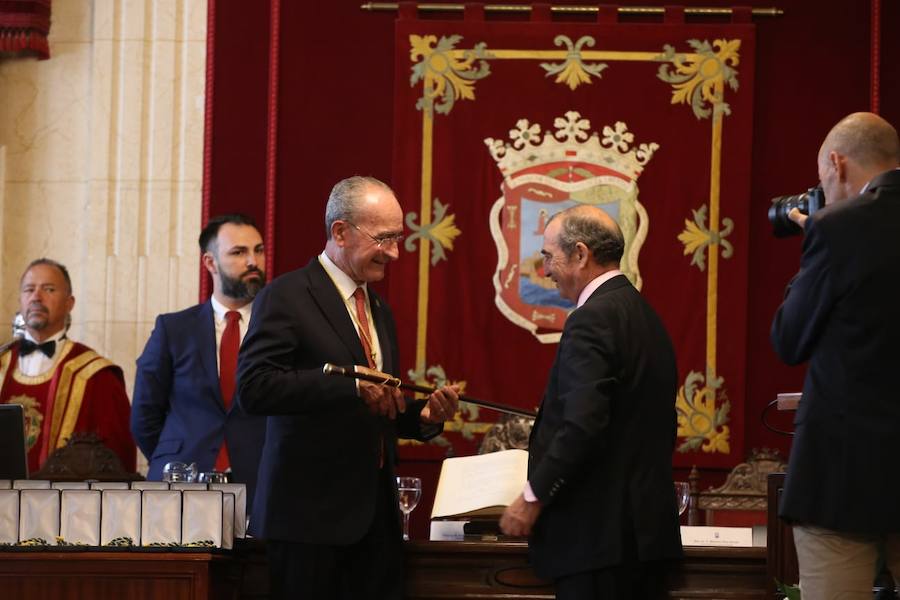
{"points": [[228, 520], [39, 515], [70, 485], [9, 516], [201, 517], [80, 517], [184, 486], [31, 484], [161, 517], [120, 516], [109, 485], [149, 485], [240, 505]]}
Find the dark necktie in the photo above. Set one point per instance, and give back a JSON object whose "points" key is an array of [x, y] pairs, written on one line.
{"points": [[26, 347], [365, 333], [228, 353]]}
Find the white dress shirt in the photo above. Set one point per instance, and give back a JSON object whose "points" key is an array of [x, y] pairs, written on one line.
{"points": [[37, 363], [346, 287]]}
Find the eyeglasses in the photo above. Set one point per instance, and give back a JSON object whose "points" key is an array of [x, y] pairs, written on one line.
{"points": [[383, 240]]}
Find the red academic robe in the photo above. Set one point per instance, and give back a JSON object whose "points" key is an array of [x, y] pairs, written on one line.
{"points": [[83, 392]]}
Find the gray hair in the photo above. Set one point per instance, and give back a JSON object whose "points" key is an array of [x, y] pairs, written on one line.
{"points": [[50, 263], [606, 244], [343, 202]]}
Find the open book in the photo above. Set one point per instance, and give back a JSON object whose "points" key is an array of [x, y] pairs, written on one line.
{"points": [[481, 485]]}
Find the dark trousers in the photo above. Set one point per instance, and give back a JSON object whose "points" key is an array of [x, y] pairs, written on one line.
{"points": [[372, 568], [634, 581]]}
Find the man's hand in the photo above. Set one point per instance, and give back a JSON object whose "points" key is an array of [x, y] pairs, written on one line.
{"points": [[442, 405], [519, 517], [797, 217], [382, 400]]}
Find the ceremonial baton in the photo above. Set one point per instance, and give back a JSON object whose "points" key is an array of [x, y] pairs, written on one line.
{"points": [[366, 374]]}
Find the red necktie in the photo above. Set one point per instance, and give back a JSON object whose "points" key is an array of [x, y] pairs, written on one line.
{"points": [[228, 353], [364, 331]]}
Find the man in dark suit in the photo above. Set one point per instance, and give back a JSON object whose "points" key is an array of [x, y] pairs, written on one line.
{"points": [[327, 497], [600, 504], [183, 408], [840, 313]]}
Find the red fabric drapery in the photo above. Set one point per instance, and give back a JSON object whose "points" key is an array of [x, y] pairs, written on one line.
{"points": [[498, 126], [24, 27]]}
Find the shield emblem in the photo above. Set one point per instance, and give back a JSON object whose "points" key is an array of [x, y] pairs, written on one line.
{"points": [[543, 175]]}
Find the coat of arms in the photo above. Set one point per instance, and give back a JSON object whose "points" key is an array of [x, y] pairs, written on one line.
{"points": [[543, 174]]}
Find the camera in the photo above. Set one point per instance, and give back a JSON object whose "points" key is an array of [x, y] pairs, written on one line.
{"points": [[808, 203]]}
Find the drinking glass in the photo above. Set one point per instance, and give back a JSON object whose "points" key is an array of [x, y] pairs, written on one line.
{"points": [[683, 495], [212, 477], [177, 472], [409, 490]]}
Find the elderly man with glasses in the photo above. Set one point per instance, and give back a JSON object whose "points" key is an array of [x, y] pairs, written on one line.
{"points": [[326, 500]]}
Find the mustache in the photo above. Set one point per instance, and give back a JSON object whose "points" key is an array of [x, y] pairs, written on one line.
{"points": [[253, 269], [36, 307]]}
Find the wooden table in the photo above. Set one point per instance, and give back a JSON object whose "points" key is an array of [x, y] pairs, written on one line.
{"points": [[434, 570], [70, 575], [476, 570]]}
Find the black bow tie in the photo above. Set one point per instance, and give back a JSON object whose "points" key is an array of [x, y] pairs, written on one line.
{"points": [[27, 347]]}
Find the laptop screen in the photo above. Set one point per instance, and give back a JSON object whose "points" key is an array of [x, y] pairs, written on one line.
{"points": [[13, 460]]}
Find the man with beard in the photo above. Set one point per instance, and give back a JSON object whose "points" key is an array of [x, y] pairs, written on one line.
{"points": [[183, 409], [64, 387]]}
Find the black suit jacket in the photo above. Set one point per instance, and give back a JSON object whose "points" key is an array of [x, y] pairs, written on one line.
{"points": [[320, 466], [841, 312], [177, 413], [600, 455]]}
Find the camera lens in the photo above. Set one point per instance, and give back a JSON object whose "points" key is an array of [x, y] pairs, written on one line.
{"points": [[808, 203]]}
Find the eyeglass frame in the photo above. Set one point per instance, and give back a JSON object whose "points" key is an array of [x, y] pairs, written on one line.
{"points": [[379, 242]]}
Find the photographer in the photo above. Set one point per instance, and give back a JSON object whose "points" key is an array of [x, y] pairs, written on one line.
{"points": [[841, 312]]}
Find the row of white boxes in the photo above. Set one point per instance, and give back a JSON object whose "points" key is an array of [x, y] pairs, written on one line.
{"points": [[115, 513]]}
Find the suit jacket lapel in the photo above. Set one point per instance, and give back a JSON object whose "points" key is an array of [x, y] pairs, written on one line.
{"points": [[333, 307], [381, 329], [207, 350]]}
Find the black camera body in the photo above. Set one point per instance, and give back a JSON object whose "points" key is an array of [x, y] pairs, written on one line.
{"points": [[808, 203]]}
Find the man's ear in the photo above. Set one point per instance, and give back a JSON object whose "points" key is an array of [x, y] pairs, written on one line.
{"points": [[839, 162], [209, 263], [582, 254], [339, 232]]}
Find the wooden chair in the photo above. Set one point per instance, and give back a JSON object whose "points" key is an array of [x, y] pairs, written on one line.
{"points": [[742, 499], [84, 457]]}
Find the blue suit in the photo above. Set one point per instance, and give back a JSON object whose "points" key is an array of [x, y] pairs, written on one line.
{"points": [[177, 413]]}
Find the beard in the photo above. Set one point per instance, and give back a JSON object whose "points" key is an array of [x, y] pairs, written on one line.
{"points": [[37, 317], [240, 288]]}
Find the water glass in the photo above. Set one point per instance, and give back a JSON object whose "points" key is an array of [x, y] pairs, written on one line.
{"points": [[179, 472], [682, 495], [409, 491]]}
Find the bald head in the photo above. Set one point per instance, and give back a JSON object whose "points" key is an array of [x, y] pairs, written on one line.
{"points": [[595, 229], [865, 138], [860, 147]]}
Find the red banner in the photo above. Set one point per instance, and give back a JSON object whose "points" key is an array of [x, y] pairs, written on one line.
{"points": [[500, 125]]}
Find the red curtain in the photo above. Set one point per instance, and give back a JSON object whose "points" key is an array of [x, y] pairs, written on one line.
{"points": [[24, 27], [499, 125]]}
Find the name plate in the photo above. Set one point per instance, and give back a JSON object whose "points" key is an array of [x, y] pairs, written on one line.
{"points": [[737, 537], [447, 531]]}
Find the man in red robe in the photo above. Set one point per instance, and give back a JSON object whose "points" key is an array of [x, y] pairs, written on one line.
{"points": [[64, 387]]}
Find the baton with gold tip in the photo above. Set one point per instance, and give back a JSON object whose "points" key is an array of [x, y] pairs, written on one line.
{"points": [[367, 374]]}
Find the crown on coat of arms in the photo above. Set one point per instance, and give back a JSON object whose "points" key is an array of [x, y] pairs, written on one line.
{"points": [[528, 148]]}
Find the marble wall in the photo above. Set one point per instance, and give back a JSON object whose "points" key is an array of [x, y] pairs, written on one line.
{"points": [[101, 152]]}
